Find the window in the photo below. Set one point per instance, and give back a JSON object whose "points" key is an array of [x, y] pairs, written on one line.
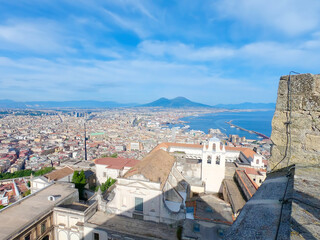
{"points": [[196, 227], [27, 237], [96, 236], [257, 161], [43, 227], [104, 174], [209, 160], [138, 204], [260, 181], [218, 160]]}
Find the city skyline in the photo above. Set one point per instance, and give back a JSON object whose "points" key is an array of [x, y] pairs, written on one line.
{"points": [[138, 51]]}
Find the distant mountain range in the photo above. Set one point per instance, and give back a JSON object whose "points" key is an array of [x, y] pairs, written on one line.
{"points": [[178, 102], [86, 104]]}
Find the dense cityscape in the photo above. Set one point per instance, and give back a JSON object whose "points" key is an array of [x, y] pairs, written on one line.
{"points": [[172, 120], [50, 139], [37, 142]]}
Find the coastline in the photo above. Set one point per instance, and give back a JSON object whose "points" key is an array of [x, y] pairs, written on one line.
{"points": [[250, 133]]}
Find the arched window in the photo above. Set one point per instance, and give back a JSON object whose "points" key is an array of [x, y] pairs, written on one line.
{"points": [[209, 160], [218, 160]]}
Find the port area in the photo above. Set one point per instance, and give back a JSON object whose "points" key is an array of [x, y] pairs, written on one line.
{"points": [[249, 131]]}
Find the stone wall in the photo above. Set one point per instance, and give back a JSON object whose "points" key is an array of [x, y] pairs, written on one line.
{"points": [[305, 121], [305, 150]]}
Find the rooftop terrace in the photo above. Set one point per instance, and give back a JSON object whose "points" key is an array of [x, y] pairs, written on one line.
{"points": [[24, 212]]}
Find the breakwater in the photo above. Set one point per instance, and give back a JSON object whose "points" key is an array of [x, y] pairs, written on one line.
{"points": [[249, 131]]}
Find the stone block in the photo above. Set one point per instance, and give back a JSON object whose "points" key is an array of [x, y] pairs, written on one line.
{"points": [[315, 121], [311, 103], [302, 84], [301, 121], [296, 102], [278, 121], [283, 86], [278, 138], [313, 142], [317, 83]]}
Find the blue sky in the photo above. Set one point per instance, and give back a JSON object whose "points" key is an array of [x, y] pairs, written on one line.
{"points": [[137, 51]]}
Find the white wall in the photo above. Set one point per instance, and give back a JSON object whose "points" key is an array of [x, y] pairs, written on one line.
{"points": [[232, 156], [257, 178], [154, 208], [213, 173], [188, 151], [100, 169], [253, 161], [65, 224], [128, 189], [38, 183], [258, 158]]}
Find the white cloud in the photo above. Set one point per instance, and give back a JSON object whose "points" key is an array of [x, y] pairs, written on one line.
{"points": [[184, 51], [120, 80], [302, 55], [140, 6], [128, 24], [291, 17], [37, 35]]}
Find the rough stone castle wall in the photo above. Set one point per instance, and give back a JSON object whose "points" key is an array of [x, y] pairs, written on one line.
{"points": [[305, 120]]}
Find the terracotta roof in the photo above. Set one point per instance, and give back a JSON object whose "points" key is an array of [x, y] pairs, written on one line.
{"points": [[116, 163], [251, 171], [238, 149], [156, 167], [58, 174], [248, 152]]}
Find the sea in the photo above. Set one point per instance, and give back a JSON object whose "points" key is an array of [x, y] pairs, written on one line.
{"points": [[259, 121]]}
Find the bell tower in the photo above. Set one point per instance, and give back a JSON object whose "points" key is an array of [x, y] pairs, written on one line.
{"points": [[213, 165]]}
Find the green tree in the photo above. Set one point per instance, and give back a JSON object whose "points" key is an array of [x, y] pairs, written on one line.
{"points": [[25, 173], [105, 186], [113, 155], [28, 192], [79, 180], [79, 177], [43, 171]]}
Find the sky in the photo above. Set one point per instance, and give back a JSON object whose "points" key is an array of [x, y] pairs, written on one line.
{"points": [[132, 51]]}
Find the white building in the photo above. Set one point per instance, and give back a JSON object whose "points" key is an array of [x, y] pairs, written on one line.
{"points": [[112, 167], [38, 183], [120, 148], [134, 146], [213, 165], [152, 190], [69, 219], [251, 157]]}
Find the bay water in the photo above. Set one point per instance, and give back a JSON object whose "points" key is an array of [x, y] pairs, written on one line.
{"points": [[259, 121]]}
